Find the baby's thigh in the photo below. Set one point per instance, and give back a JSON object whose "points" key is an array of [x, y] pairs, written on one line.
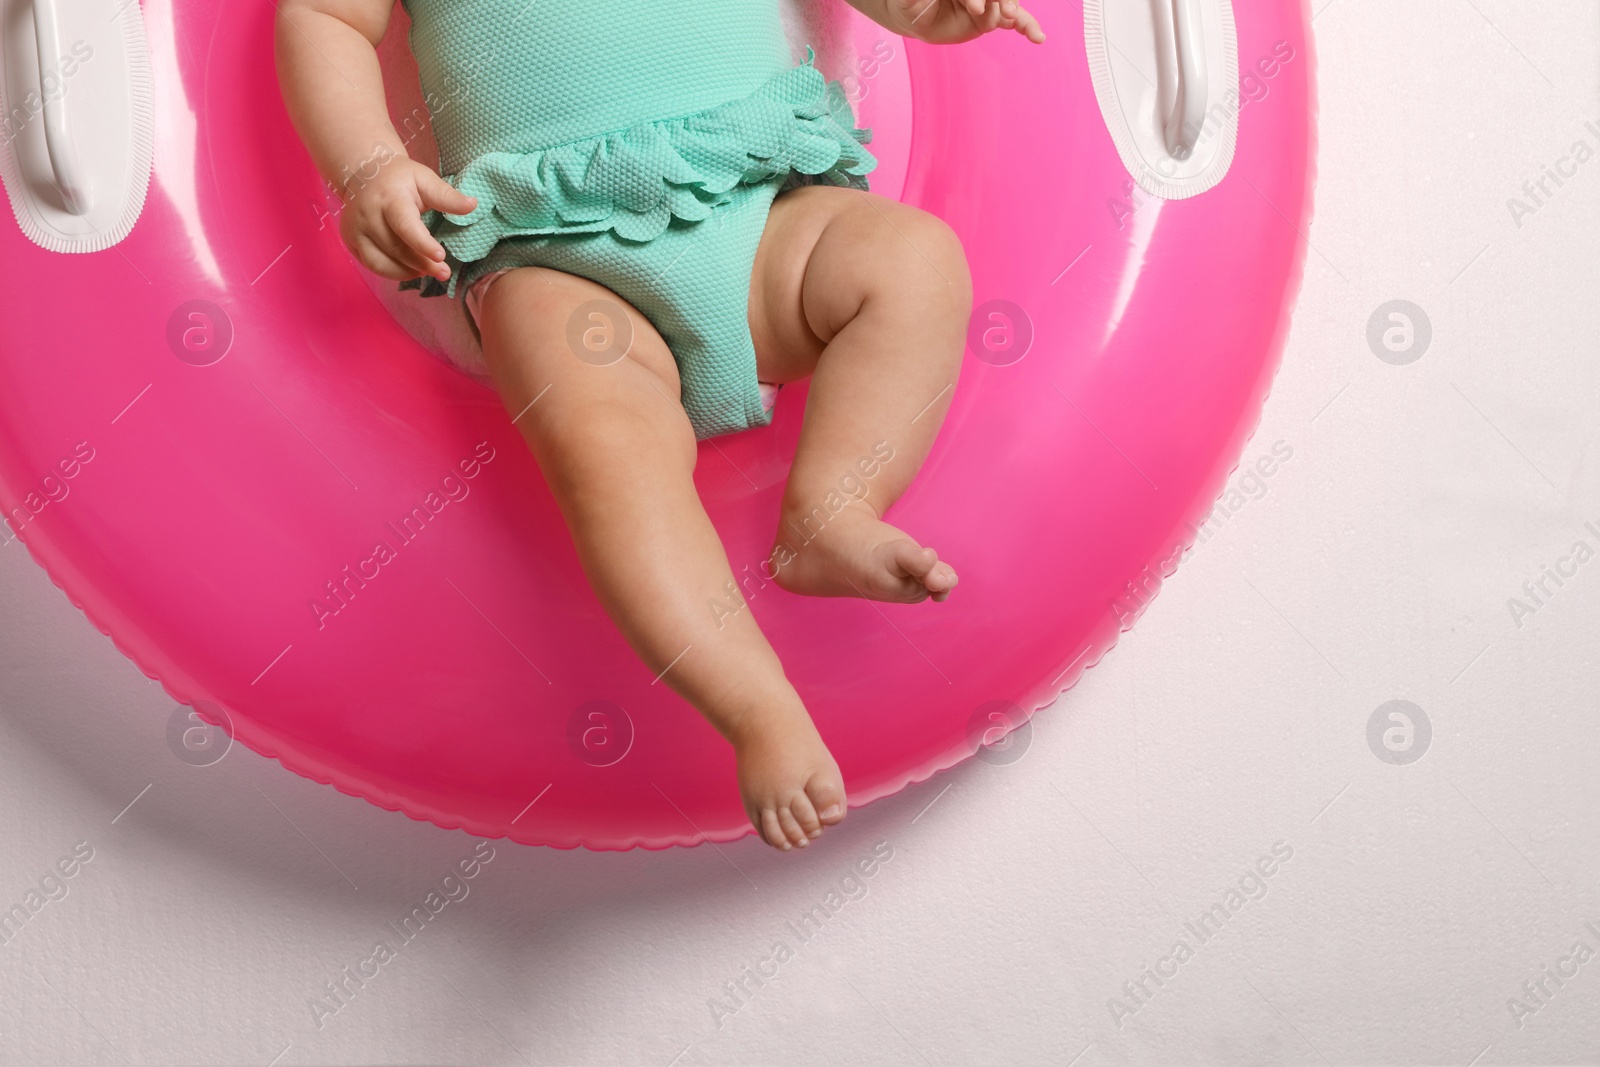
{"points": [[545, 328]]}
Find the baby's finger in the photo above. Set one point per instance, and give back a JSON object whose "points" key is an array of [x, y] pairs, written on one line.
{"points": [[386, 242], [440, 195], [407, 225], [376, 260], [1028, 26], [918, 10], [402, 254]]}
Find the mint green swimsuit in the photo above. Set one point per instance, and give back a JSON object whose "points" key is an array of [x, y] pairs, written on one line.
{"points": [[637, 143]]}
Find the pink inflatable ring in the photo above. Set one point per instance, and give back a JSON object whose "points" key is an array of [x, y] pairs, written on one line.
{"points": [[274, 500]]}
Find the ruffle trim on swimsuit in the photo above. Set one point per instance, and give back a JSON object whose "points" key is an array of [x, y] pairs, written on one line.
{"points": [[636, 180]]}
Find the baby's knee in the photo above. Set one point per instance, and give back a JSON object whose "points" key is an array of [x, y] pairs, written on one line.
{"points": [[597, 441], [934, 241], [921, 256]]}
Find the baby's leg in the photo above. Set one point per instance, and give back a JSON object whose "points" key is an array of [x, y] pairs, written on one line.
{"points": [[618, 453], [871, 298]]}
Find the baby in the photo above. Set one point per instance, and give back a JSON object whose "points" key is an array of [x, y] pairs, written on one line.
{"points": [[654, 219]]}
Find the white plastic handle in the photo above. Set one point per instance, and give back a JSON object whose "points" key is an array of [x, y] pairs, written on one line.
{"points": [[1184, 68], [47, 35]]}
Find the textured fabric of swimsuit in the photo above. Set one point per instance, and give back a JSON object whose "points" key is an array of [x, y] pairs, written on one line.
{"points": [[636, 143]]}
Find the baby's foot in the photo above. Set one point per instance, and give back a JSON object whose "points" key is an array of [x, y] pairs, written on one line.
{"points": [[857, 554], [788, 779]]}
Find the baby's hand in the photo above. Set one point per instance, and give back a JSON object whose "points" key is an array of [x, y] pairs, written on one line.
{"points": [[954, 21], [382, 220]]}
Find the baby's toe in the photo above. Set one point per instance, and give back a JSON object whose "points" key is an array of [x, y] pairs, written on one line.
{"points": [[927, 574], [911, 559], [791, 828], [941, 578], [772, 830], [907, 569], [806, 815], [827, 796]]}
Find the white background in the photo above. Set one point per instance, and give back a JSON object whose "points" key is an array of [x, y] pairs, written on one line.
{"points": [[1019, 898]]}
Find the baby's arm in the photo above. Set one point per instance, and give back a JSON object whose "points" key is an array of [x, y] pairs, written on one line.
{"points": [[333, 87], [950, 21]]}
